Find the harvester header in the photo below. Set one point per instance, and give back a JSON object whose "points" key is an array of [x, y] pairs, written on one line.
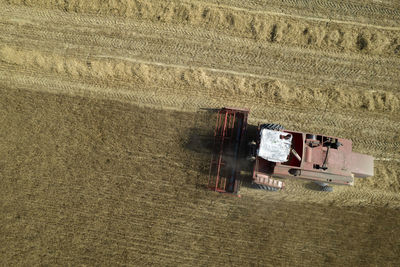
{"points": [[229, 143]]}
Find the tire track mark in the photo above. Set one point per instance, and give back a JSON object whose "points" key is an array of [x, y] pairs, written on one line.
{"points": [[331, 4], [293, 65], [335, 9], [60, 19], [246, 33]]}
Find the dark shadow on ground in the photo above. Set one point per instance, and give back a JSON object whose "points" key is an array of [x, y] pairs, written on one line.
{"points": [[199, 144], [200, 140], [313, 186]]}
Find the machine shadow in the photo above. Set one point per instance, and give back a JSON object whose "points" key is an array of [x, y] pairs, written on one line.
{"points": [[313, 186], [200, 143]]}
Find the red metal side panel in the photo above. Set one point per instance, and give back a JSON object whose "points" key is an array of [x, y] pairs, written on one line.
{"points": [[362, 165]]}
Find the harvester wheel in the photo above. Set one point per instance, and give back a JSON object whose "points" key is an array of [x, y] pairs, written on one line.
{"points": [[272, 126], [327, 188], [252, 151], [324, 186], [264, 187]]}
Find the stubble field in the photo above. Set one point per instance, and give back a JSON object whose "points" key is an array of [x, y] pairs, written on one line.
{"points": [[105, 130]]}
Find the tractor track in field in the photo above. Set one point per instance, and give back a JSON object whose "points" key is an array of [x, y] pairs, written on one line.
{"points": [[19, 15], [307, 10], [113, 26], [260, 62], [264, 62], [382, 17], [37, 69]]}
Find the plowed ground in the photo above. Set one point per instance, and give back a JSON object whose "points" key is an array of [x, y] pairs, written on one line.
{"points": [[105, 131]]}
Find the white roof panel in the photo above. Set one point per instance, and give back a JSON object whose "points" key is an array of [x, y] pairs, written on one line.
{"points": [[274, 145]]}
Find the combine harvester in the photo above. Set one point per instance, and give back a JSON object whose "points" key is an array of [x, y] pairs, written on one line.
{"points": [[279, 153]]}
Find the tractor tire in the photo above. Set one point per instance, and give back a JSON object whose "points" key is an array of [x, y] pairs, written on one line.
{"points": [[252, 153], [251, 158], [264, 187], [272, 126], [327, 188], [324, 187]]}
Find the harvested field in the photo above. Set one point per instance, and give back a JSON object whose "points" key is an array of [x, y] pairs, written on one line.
{"points": [[105, 134]]}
